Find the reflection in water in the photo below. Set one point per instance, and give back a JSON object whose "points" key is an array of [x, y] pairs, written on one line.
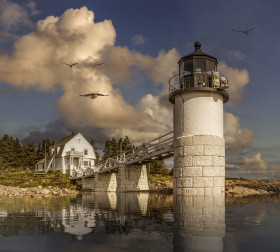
{"points": [[97, 220], [199, 223], [139, 222], [253, 224]]}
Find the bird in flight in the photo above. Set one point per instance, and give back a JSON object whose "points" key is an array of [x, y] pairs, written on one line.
{"points": [[246, 32], [93, 95], [99, 64], [71, 65]]}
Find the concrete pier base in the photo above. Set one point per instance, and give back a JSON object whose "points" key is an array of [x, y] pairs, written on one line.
{"points": [[101, 182], [132, 178], [199, 165]]}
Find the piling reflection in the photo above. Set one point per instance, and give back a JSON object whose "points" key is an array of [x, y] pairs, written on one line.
{"points": [[199, 223]]}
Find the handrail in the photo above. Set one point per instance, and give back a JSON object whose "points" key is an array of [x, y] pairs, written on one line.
{"points": [[146, 151], [176, 84]]}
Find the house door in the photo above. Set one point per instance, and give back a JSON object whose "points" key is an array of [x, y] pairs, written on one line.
{"points": [[76, 162]]}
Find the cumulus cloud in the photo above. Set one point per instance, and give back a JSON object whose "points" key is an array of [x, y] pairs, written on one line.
{"points": [[12, 16], [36, 62], [238, 79], [236, 55], [256, 167], [139, 39], [124, 65], [235, 137], [32, 6]]}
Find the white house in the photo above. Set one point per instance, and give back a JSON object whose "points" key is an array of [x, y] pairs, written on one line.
{"points": [[69, 155]]}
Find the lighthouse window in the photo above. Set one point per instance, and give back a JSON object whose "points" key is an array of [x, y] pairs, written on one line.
{"points": [[181, 69], [210, 66], [200, 63], [188, 66]]}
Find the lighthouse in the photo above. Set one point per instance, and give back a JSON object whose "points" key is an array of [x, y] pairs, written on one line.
{"points": [[198, 93]]}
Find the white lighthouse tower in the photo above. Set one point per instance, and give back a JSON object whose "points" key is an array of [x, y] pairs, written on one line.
{"points": [[198, 93]]}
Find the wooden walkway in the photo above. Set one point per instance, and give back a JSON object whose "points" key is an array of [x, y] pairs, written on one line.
{"points": [[158, 148]]}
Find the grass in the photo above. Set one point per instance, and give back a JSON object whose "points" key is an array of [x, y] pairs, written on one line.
{"points": [[28, 179], [157, 177]]}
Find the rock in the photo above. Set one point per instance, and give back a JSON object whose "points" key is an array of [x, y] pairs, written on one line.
{"points": [[38, 191], [45, 191]]}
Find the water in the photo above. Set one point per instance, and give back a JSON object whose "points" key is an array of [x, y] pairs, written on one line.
{"points": [[139, 222]]}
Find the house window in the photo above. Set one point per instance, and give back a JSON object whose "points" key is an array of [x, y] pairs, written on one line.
{"points": [[85, 152], [79, 140], [85, 163]]}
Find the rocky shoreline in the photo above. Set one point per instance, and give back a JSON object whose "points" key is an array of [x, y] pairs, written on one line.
{"points": [[234, 188], [39, 191]]}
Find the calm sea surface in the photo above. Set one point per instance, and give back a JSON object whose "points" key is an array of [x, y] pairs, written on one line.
{"points": [[139, 222]]}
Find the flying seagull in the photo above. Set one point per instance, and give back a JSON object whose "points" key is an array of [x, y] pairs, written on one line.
{"points": [[71, 65], [93, 95], [99, 64], [246, 32]]}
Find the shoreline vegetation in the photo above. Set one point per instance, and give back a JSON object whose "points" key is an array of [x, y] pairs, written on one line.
{"points": [[24, 183]]}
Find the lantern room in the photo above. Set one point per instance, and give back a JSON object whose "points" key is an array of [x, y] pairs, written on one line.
{"points": [[197, 61], [198, 72]]}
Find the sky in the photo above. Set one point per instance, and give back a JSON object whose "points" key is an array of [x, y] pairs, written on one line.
{"points": [[141, 43]]}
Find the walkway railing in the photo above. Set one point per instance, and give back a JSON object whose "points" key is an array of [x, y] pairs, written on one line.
{"points": [[158, 148]]}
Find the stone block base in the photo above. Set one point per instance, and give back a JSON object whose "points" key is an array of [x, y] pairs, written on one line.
{"points": [[199, 165], [132, 178], [101, 182]]}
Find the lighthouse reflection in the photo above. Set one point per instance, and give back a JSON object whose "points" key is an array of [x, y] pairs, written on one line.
{"points": [[199, 223], [144, 220]]}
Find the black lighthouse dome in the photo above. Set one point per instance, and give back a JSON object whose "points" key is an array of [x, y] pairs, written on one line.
{"points": [[198, 72]]}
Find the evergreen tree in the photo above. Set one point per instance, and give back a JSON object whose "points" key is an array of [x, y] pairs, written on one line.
{"points": [[114, 148], [29, 155], [107, 150], [92, 142], [10, 151], [126, 145]]}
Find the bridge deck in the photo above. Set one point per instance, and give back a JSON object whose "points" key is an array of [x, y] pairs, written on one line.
{"points": [[158, 148]]}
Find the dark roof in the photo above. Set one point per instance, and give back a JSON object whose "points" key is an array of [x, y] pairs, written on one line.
{"points": [[61, 143], [42, 161], [64, 140], [197, 52]]}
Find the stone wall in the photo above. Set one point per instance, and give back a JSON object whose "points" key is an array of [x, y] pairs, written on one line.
{"points": [[132, 178], [102, 182], [199, 165], [105, 182]]}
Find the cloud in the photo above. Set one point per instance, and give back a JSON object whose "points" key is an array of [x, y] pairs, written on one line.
{"points": [[124, 65], [139, 39], [59, 128], [256, 167], [236, 55], [235, 137], [36, 62], [13, 16], [7, 36], [238, 79], [32, 6]]}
